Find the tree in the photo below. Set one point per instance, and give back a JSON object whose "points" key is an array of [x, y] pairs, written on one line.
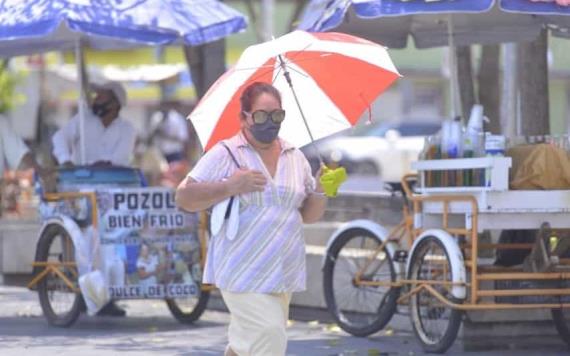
{"points": [[489, 89], [8, 81], [465, 79], [532, 71]]}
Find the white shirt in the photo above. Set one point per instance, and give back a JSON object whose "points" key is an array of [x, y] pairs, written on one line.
{"points": [[175, 126], [149, 265], [12, 147], [114, 143]]}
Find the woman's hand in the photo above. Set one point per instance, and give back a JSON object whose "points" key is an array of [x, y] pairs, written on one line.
{"points": [[246, 181]]}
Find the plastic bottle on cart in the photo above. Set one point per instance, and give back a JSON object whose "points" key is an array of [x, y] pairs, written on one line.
{"points": [[430, 151], [452, 148], [494, 147], [472, 145], [453, 144]]}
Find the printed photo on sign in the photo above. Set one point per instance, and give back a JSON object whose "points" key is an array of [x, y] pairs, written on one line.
{"points": [[150, 249]]}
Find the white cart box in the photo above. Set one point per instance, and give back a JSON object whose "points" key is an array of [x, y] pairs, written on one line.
{"points": [[498, 207]]}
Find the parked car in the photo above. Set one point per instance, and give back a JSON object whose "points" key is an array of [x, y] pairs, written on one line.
{"points": [[385, 149]]}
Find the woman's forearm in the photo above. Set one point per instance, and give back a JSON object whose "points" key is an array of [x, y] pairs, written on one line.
{"points": [[313, 208], [193, 196]]}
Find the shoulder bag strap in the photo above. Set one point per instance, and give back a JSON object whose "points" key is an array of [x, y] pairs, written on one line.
{"points": [[229, 209], [231, 154]]}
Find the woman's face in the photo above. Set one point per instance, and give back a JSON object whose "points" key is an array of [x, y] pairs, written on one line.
{"points": [[267, 131]]}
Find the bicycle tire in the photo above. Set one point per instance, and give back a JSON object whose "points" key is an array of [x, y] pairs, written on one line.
{"points": [[377, 318], [188, 316], [562, 324], [46, 241], [444, 342]]}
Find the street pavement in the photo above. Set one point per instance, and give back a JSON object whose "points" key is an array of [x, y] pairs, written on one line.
{"points": [[150, 330]]}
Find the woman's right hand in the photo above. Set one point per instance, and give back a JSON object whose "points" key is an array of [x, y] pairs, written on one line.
{"points": [[246, 181]]}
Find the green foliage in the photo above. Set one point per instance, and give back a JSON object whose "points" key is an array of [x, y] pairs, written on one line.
{"points": [[8, 96]]}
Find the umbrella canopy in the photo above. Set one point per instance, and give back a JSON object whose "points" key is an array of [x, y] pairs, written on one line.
{"points": [[482, 21], [552, 12], [335, 76], [32, 26]]}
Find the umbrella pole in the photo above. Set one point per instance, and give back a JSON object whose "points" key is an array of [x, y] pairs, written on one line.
{"points": [[81, 100], [290, 82], [454, 87]]}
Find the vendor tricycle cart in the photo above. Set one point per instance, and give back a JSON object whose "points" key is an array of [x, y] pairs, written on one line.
{"points": [[106, 236], [433, 260]]}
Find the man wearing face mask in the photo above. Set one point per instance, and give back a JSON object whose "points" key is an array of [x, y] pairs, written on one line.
{"points": [[109, 139]]}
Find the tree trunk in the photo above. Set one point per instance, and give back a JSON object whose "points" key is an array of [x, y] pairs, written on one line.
{"points": [[206, 64], [295, 18], [532, 72], [254, 20], [465, 79], [490, 86]]}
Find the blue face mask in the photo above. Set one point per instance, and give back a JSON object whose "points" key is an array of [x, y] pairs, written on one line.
{"points": [[266, 132]]}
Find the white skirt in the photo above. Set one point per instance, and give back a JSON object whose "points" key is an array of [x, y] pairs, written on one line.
{"points": [[258, 323]]}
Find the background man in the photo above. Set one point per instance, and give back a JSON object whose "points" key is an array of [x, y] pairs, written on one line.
{"points": [[109, 139]]}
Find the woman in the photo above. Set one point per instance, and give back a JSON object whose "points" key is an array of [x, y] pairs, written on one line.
{"points": [[259, 269]]}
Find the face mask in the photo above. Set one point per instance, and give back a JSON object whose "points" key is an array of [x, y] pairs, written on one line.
{"points": [[101, 109], [266, 132]]}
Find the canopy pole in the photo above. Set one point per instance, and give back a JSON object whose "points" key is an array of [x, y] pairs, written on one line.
{"points": [[82, 99], [454, 87], [290, 82], [510, 108]]}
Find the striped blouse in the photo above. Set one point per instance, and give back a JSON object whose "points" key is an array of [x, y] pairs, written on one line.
{"points": [[268, 253]]}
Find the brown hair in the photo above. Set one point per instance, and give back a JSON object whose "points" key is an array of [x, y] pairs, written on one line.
{"points": [[253, 91]]}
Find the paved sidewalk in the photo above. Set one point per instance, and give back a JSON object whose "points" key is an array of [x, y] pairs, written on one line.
{"points": [[150, 330]]}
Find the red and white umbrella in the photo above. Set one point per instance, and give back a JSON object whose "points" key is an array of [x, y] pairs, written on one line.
{"points": [[335, 77]]}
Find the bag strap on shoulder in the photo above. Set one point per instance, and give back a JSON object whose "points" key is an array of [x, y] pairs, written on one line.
{"points": [[229, 208], [231, 154]]}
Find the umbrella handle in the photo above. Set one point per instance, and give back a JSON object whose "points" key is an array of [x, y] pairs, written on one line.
{"points": [[290, 82]]}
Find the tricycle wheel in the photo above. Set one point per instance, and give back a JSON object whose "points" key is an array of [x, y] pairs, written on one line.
{"points": [[189, 309], [60, 303], [561, 318], [434, 323], [359, 309]]}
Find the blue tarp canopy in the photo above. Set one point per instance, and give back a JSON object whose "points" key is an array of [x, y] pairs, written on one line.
{"points": [[31, 26], [391, 21]]}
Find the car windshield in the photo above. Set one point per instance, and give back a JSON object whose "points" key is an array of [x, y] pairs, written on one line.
{"points": [[404, 129]]}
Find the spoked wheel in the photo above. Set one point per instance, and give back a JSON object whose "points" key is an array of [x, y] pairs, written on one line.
{"points": [[60, 302], [435, 324], [561, 318], [359, 309], [189, 309]]}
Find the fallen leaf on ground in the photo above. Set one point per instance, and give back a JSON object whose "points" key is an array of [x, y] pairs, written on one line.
{"points": [[333, 328], [313, 323], [290, 323], [333, 342], [152, 329]]}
